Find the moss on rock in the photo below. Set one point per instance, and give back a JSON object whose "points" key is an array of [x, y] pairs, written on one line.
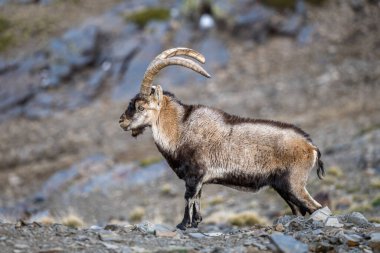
{"points": [[144, 16]]}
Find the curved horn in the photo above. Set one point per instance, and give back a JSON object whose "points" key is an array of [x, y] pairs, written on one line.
{"points": [[181, 51], [159, 64]]}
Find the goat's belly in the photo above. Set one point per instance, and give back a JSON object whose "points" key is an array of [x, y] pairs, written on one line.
{"points": [[236, 179]]}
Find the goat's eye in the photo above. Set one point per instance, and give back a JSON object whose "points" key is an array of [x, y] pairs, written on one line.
{"points": [[141, 108]]}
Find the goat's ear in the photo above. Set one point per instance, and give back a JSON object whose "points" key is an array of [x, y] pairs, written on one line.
{"points": [[158, 94]]}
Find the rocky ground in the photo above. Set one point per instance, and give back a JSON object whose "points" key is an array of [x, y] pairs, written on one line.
{"points": [[63, 157], [290, 234]]}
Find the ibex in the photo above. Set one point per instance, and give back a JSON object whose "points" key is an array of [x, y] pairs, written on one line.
{"points": [[204, 145]]}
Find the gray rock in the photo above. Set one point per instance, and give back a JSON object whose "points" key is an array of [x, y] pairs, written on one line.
{"points": [[146, 227], [81, 44], [215, 51], [291, 25], [6, 66], [107, 236], [288, 244], [333, 222], [76, 49], [257, 14], [183, 36], [374, 242], [351, 240], [300, 7], [37, 62], [254, 23], [357, 219], [284, 219], [122, 52], [94, 83], [321, 214], [13, 99], [197, 235], [110, 246], [130, 84], [305, 35]]}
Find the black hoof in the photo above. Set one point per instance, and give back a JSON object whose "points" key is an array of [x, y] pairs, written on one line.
{"points": [[181, 226], [197, 219]]}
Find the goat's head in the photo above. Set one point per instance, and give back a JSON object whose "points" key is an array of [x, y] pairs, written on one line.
{"points": [[145, 107]]}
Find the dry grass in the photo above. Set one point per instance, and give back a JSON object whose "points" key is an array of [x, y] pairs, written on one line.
{"points": [[219, 199], [137, 214], [72, 220], [375, 183], [47, 220], [150, 160], [335, 171], [246, 219], [166, 189]]}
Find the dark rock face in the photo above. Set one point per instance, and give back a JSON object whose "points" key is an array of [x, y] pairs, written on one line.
{"points": [[76, 49]]}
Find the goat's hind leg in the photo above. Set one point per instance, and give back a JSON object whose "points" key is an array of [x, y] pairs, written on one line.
{"points": [[287, 197], [310, 205]]}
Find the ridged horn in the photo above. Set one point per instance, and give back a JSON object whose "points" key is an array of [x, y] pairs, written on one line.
{"points": [[162, 61], [181, 51]]}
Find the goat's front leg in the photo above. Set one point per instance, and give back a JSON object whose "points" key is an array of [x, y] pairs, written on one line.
{"points": [[197, 217], [193, 187]]}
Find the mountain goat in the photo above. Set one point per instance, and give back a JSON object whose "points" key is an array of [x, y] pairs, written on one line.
{"points": [[204, 145]]}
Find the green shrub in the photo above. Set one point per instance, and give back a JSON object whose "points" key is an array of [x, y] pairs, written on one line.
{"points": [[6, 38], [376, 201], [288, 4], [142, 17]]}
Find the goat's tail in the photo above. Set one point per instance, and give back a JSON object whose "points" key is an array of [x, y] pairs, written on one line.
{"points": [[320, 168]]}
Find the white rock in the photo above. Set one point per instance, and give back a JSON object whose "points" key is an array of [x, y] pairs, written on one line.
{"points": [[206, 21], [321, 214], [333, 222], [213, 234]]}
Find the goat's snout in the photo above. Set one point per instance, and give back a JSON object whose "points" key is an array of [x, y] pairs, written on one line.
{"points": [[124, 123]]}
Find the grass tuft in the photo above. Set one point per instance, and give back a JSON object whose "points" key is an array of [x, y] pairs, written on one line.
{"points": [[150, 160], [6, 38], [137, 214], [376, 201], [217, 200], [246, 219], [144, 16], [72, 220], [335, 172]]}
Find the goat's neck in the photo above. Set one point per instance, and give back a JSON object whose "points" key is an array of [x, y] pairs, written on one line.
{"points": [[166, 128]]}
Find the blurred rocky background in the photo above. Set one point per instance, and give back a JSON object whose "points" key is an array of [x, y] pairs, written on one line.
{"points": [[69, 67]]}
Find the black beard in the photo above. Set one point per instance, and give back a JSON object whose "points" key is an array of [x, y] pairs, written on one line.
{"points": [[138, 131]]}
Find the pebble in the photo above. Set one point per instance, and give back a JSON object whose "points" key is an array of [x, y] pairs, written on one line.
{"points": [[169, 234], [333, 222], [279, 227], [321, 214], [197, 235], [288, 244]]}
